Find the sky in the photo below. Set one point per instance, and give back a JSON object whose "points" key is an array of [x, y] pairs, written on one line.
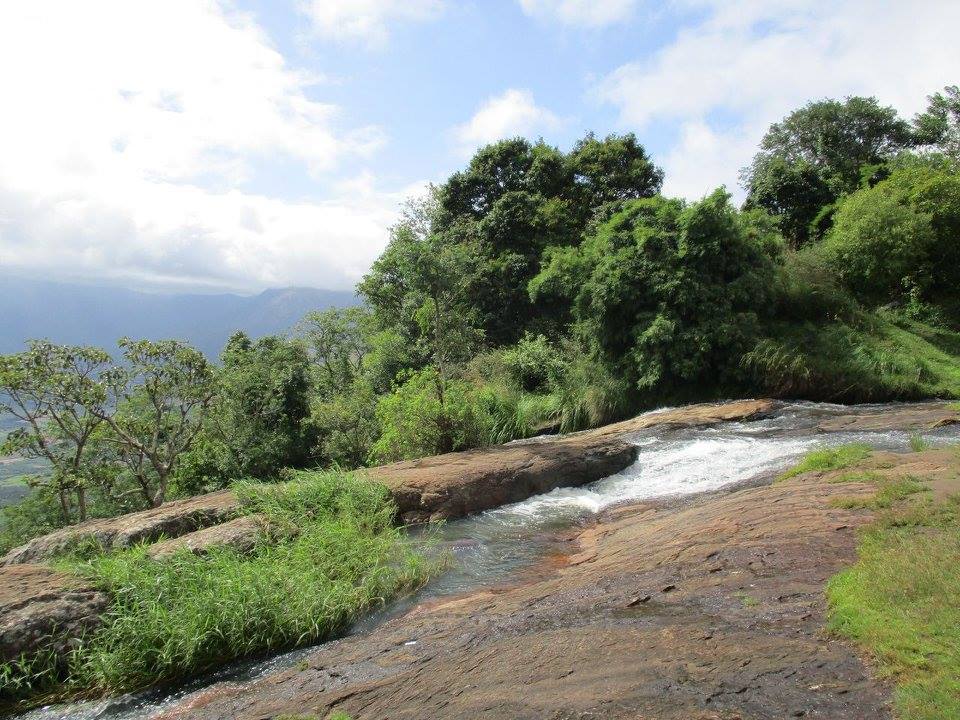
{"points": [[237, 145]]}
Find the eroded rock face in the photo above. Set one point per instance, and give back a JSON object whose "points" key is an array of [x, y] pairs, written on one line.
{"points": [[41, 608], [169, 520], [710, 609]]}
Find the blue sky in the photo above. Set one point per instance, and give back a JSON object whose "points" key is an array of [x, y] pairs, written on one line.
{"points": [[237, 145]]}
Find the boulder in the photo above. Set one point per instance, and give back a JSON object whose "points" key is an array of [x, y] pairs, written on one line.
{"points": [[171, 519], [43, 609]]}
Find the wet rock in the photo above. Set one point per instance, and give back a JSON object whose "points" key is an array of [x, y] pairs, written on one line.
{"points": [[561, 646], [44, 609], [452, 486], [926, 416]]}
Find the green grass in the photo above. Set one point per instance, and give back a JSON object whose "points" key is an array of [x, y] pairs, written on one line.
{"points": [[901, 602], [871, 358], [889, 492], [334, 555], [918, 443], [827, 459]]}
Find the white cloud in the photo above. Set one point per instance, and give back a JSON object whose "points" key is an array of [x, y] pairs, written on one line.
{"points": [[366, 20], [130, 132], [752, 62], [509, 114], [580, 13]]}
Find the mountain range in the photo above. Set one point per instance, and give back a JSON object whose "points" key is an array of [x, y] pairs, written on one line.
{"points": [[100, 315]]}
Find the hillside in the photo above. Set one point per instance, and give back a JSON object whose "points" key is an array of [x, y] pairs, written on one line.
{"points": [[97, 315]]}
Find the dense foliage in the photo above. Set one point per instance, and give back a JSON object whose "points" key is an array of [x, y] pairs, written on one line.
{"points": [[538, 290]]}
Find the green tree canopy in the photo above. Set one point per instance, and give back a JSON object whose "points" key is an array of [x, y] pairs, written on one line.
{"points": [[900, 239], [939, 125], [514, 200], [670, 293], [817, 154]]}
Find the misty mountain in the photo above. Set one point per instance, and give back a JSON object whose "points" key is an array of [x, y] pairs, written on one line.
{"points": [[99, 315]]}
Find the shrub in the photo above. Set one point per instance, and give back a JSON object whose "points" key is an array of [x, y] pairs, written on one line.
{"points": [[900, 237], [533, 363], [670, 294], [427, 415]]}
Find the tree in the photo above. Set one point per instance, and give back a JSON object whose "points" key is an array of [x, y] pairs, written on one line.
{"points": [[431, 305], [260, 415], [154, 406], [339, 340], [819, 153], [900, 240], [939, 125], [516, 199], [51, 390], [612, 169], [670, 294]]}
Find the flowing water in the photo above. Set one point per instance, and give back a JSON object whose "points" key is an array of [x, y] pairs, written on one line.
{"points": [[493, 546]]}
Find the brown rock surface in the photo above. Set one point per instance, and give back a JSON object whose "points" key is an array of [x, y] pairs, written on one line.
{"points": [[691, 416], [925, 416], [171, 519], [709, 609], [240, 534], [450, 486], [41, 608]]}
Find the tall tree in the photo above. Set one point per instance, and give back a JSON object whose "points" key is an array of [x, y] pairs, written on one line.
{"points": [[818, 153], [259, 417], [939, 125], [154, 406], [339, 339], [51, 389]]}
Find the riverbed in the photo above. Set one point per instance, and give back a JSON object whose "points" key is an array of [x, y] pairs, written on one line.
{"points": [[501, 545]]}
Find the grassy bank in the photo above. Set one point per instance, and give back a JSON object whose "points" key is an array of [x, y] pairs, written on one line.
{"points": [[874, 357], [333, 554], [901, 600]]}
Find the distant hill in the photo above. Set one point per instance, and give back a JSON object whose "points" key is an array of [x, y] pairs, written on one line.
{"points": [[98, 315]]}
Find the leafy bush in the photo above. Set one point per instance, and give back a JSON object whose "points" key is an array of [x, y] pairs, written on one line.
{"points": [[670, 294], [427, 415], [533, 363], [899, 238]]}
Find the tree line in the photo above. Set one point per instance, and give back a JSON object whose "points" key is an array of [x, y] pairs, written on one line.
{"points": [[540, 290]]}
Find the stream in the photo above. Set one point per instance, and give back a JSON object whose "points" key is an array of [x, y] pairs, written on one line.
{"points": [[498, 544]]}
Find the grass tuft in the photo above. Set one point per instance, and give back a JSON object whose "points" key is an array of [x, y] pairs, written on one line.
{"points": [[918, 443], [827, 459], [890, 491]]}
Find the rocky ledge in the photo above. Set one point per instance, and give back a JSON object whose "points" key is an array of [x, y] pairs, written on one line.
{"points": [[47, 607], [709, 609], [40, 607]]}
